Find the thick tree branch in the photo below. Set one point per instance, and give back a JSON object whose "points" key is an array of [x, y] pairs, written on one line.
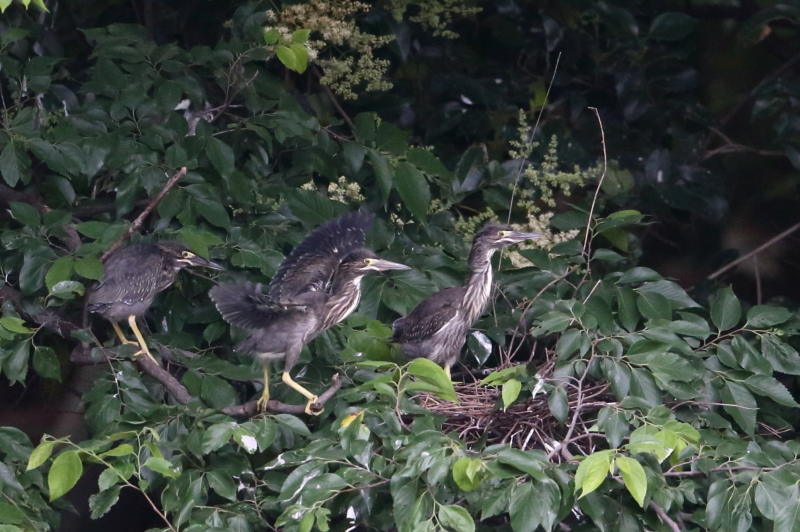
{"points": [[137, 223], [82, 355]]}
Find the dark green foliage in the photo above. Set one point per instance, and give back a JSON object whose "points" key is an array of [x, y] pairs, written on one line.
{"points": [[605, 395]]}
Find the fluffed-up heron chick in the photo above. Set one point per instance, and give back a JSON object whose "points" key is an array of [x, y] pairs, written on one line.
{"points": [[436, 329], [317, 286], [132, 278]]}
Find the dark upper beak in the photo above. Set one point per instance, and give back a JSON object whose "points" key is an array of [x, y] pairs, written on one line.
{"points": [[518, 236], [197, 260], [382, 265]]}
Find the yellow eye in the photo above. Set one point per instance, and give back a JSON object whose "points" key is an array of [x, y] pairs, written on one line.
{"points": [[187, 254], [503, 234], [368, 262]]}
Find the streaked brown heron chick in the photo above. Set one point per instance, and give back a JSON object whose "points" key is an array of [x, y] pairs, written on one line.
{"points": [[437, 328], [132, 278], [317, 286]]}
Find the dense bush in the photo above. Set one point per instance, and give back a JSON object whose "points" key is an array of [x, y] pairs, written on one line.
{"points": [[595, 394]]}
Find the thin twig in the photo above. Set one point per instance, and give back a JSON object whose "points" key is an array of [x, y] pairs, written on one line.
{"points": [[137, 223], [563, 444], [597, 190], [533, 134], [334, 101], [664, 517], [757, 273], [756, 251]]}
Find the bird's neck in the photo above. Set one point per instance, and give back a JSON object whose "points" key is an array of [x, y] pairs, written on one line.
{"points": [[344, 298], [479, 285]]}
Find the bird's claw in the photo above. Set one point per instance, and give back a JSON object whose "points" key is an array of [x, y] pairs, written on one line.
{"points": [[262, 403], [313, 407]]}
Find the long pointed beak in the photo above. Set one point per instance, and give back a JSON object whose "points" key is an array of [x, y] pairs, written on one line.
{"points": [[518, 236], [382, 265], [200, 261]]}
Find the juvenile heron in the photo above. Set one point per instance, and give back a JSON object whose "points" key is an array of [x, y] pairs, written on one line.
{"points": [[132, 278], [437, 328], [317, 286]]}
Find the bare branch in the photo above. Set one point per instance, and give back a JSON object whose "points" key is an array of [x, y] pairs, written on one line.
{"points": [[137, 223], [759, 249]]}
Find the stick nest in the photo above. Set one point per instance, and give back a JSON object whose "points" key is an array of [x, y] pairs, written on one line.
{"points": [[528, 424]]}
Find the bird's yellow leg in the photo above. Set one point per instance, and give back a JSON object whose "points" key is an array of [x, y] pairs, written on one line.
{"points": [[308, 395], [121, 335], [447, 372], [138, 334], [262, 402]]}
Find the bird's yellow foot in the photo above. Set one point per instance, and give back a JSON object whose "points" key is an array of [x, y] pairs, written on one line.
{"points": [[262, 403], [313, 407]]}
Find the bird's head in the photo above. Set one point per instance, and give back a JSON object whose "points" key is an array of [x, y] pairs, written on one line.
{"points": [[363, 261], [496, 235], [183, 257]]}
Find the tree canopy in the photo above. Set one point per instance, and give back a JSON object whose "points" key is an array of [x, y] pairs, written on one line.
{"points": [[635, 370]]}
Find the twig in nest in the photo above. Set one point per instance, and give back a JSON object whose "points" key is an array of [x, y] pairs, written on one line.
{"points": [[137, 223]]}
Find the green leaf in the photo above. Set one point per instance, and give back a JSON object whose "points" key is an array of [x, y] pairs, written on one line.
{"points": [[40, 454], [725, 309], [15, 164], [671, 26], [461, 477], [300, 36], [89, 268], [558, 403], [592, 471], [221, 156], [531, 462], [762, 316], [15, 364], [163, 466], [11, 514], [639, 274], [456, 518], [511, 389], [25, 214], [217, 392], [61, 270], [64, 474], [15, 325], [120, 450], [431, 373], [292, 423], [101, 503], [634, 477], [46, 363], [287, 56], [788, 518], [525, 516], [654, 306], [741, 405], [384, 173], [216, 436], [772, 388], [221, 482], [272, 36], [627, 308], [301, 56], [414, 190]]}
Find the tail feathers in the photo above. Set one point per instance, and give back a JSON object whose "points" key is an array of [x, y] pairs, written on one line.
{"points": [[243, 305]]}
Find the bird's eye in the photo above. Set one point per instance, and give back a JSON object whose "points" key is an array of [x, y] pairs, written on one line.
{"points": [[187, 254], [503, 234], [368, 262]]}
